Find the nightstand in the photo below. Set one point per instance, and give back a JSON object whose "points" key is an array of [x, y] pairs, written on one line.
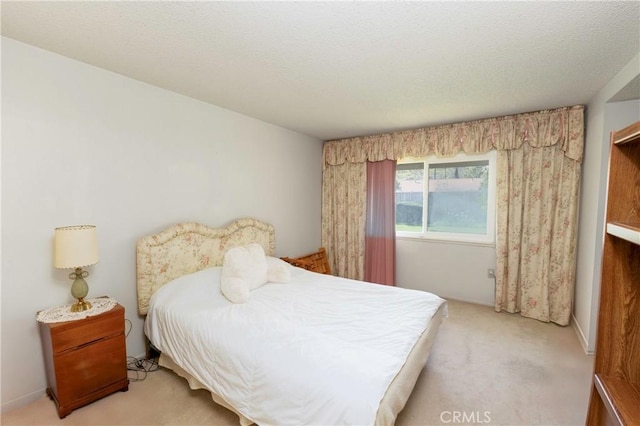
{"points": [[85, 359]]}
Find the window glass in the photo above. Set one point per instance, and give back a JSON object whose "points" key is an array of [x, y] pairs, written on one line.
{"points": [[409, 196], [458, 197], [447, 199]]}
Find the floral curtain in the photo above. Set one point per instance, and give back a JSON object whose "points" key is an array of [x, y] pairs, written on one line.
{"points": [[344, 193], [537, 205], [539, 165], [563, 127]]}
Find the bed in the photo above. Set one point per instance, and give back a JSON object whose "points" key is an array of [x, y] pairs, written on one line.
{"points": [[315, 349]]}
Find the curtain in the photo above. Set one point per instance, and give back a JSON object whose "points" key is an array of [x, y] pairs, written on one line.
{"points": [[537, 205], [344, 192], [380, 234], [539, 166], [562, 126]]}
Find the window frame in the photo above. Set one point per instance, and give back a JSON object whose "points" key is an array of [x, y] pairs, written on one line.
{"points": [[489, 237]]}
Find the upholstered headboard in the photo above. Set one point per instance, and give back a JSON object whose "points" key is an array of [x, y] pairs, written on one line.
{"points": [[186, 248]]}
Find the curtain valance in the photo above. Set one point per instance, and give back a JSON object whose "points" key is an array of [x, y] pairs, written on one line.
{"points": [[563, 126]]}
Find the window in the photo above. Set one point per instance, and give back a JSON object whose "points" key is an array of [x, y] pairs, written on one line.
{"points": [[447, 198]]}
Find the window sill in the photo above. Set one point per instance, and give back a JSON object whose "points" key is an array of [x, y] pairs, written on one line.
{"points": [[439, 241]]}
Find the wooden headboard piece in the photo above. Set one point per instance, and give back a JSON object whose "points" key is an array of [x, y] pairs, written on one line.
{"points": [[316, 261], [186, 248]]}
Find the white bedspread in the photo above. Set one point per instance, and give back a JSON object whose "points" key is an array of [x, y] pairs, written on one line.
{"points": [[317, 350]]}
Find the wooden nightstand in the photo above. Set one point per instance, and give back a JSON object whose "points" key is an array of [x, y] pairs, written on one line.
{"points": [[85, 359]]}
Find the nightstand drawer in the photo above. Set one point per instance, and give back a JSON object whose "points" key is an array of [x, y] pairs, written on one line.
{"points": [[90, 368], [74, 334]]}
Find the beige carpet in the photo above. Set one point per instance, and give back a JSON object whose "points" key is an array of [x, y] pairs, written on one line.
{"points": [[485, 368]]}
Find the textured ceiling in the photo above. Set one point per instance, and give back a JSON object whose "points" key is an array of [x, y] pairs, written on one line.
{"points": [[339, 69]]}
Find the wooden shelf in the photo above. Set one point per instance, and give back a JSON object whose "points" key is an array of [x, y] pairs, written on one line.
{"points": [[621, 398], [615, 393], [628, 134], [626, 232]]}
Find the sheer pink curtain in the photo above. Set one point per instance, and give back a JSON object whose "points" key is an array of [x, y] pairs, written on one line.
{"points": [[380, 234]]}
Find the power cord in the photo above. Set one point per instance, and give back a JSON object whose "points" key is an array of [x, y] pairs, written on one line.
{"points": [[127, 331], [141, 367]]}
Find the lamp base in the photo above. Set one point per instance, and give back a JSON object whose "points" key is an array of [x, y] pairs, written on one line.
{"points": [[79, 290], [80, 306]]}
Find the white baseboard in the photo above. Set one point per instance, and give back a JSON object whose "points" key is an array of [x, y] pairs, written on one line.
{"points": [[581, 337], [23, 400], [462, 299]]}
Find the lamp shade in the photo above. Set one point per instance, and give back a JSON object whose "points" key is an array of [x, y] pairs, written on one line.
{"points": [[75, 246]]}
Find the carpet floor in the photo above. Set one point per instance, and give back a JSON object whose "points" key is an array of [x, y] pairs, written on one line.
{"points": [[484, 368]]}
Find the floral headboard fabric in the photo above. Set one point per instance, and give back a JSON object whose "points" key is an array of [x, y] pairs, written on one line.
{"points": [[190, 247]]}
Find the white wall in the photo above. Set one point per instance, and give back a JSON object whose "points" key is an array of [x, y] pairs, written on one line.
{"points": [[450, 270], [592, 200], [84, 145]]}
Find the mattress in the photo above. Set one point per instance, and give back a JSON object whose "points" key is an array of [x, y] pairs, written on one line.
{"points": [[316, 350]]}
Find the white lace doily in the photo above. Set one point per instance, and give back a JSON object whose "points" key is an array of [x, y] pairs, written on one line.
{"points": [[63, 313]]}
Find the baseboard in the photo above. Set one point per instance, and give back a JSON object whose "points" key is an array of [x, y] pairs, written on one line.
{"points": [[461, 299], [581, 337], [23, 400]]}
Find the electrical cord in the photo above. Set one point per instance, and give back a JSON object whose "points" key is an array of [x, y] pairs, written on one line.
{"points": [[141, 367]]}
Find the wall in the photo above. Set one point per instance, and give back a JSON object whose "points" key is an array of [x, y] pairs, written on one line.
{"points": [[450, 270], [84, 145], [592, 201]]}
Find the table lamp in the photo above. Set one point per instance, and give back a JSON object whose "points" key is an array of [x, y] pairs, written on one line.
{"points": [[76, 247]]}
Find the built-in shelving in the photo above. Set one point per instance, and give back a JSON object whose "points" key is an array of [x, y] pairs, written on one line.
{"points": [[615, 394], [626, 232], [620, 398], [628, 134]]}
